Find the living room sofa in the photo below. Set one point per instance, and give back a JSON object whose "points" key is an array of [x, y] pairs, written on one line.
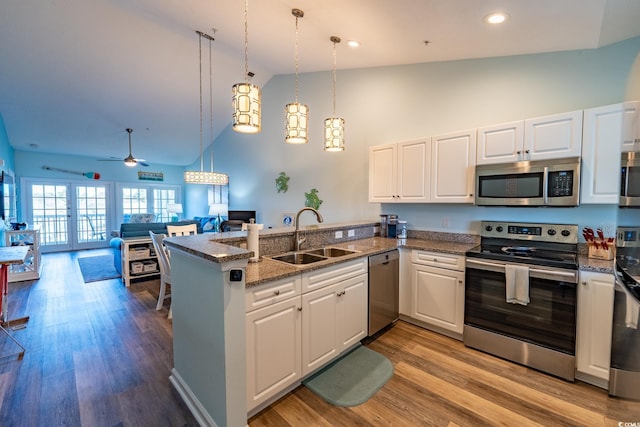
{"points": [[130, 230]]}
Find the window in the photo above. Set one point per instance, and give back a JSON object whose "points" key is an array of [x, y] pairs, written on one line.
{"points": [[148, 199]]}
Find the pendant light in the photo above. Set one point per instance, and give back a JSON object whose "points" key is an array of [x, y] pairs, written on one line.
{"points": [[246, 97], [202, 177], [296, 114], [334, 126]]}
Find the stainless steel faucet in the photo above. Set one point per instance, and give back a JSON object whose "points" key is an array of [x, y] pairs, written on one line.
{"points": [[299, 240]]}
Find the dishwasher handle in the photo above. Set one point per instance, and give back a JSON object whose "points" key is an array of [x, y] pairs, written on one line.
{"points": [[384, 258]]}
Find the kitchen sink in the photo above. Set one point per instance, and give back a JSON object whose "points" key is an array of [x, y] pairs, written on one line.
{"points": [[311, 255], [298, 258], [330, 252]]}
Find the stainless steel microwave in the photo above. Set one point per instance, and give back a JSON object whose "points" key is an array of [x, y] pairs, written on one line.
{"points": [[630, 180], [531, 183]]}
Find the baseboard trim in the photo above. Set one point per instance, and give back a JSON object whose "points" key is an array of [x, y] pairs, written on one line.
{"points": [[192, 402]]}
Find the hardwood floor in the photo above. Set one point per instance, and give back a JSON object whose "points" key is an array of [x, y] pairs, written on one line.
{"points": [[98, 354]]}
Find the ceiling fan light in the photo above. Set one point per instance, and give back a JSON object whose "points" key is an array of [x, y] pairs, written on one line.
{"points": [[131, 162]]}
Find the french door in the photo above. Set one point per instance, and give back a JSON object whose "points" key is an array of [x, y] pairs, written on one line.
{"points": [[71, 215]]}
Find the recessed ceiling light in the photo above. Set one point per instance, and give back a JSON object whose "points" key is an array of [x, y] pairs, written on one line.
{"points": [[496, 18], [353, 43]]}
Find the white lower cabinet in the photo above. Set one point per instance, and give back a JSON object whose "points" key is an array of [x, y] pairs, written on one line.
{"points": [[437, 285], [273, 350], [593, 327], [273, 334], [298, 324]]}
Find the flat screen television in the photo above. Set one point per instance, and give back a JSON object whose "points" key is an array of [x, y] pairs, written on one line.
{"points": [[243, 216]]}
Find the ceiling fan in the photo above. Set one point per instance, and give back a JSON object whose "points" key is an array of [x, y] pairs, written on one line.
{"points": [[130, 161]]}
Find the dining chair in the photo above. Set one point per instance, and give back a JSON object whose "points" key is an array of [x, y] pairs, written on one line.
{"points": [[182, 230], [165, 269]]}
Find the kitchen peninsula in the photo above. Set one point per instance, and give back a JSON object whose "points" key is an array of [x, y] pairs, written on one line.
{"points": [[210, 279]]}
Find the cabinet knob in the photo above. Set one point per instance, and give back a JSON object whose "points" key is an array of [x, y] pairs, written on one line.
{"points": [[460, 281], [518, 152], [435, 260], [584, 283], [299, 308], [276, 292], [526, 151]]}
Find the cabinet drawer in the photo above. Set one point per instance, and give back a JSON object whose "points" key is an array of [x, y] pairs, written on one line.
{"points": [[272, 292], [438, 259], [330, 275]]}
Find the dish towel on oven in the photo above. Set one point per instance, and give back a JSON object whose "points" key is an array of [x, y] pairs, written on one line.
{"points": [[517, 284], [631, 313]]}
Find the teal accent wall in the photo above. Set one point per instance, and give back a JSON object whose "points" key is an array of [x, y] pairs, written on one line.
{"points": [[392, 104]]}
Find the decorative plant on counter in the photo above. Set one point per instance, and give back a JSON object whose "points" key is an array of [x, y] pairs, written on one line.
{"points": [[312, 200], [282, 183]]}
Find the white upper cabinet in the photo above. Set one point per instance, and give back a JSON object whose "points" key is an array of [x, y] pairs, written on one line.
{"points": [[501, 143], [631, 126], [383, 175], [602, 133], [453, 167], [553, 137], [398, 172], [548, 137]]}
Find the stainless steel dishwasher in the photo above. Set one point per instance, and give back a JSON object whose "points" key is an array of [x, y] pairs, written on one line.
{"points": [[384, 280]]}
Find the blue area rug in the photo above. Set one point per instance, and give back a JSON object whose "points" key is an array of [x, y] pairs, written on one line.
{"points": [[97, 268], [352, 379]]}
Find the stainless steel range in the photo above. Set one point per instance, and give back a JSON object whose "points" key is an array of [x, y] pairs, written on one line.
{"points": [[520, 294], [624, 375]]}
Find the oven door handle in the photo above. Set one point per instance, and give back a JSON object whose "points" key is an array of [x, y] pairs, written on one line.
{"points": [[571, 275], [545, 186], [620, 284]]}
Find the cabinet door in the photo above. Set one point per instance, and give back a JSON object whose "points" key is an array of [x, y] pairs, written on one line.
{"points": [[353, 311], [453, 159], [501, 143], [594, 324], [631, 126], [273, 350], [600, 171], [438, 297], [413, 173], [383, 163], [319, 327], [553, 137]]}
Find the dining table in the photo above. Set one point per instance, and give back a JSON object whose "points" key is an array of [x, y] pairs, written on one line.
{"points": [[10, 255]]}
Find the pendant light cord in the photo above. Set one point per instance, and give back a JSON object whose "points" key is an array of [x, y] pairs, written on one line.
{"points": [[334, 40], [200, 71], [211, 101], [296, 52], [246, 41]]}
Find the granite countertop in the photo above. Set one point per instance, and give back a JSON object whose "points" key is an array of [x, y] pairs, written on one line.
{"points": [[267, 269], [596, 265]]}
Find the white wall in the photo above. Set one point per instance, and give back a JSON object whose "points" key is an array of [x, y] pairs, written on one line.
{"points": [[388, 104]]}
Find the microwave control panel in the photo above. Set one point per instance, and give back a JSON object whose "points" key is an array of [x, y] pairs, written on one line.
{"points": [[560, 184]]}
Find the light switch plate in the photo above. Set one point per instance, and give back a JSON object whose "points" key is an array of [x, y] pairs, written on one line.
{"points": [[351, 233]]}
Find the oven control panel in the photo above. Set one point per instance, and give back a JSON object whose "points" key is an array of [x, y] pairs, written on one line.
{"points": [[628, 237], [557, 233]]}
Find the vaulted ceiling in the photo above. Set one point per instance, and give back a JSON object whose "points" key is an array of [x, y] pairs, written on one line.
{"points": [[75, 73]]}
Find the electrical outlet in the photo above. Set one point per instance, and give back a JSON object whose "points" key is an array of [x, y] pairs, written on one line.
{"points": [[243, 245], [445, 221], [338, 234], [351, 233]]}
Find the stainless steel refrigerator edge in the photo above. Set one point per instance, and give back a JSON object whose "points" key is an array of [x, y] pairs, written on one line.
{"points": [[384, 270]]}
